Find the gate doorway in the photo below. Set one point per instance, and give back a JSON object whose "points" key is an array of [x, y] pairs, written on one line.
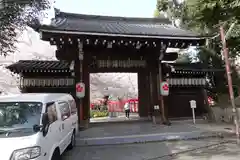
{"points": [[109, 92]]}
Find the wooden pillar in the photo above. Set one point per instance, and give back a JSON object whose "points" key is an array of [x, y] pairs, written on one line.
{"points": [[86, 99], [80, 71], [147, 96], [77, 75], [161, 99], [152, 69], [148, 92], [142, 95], [154, 90], [77, 78]]}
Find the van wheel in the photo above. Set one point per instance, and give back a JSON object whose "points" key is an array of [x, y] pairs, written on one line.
{"points": [[73, 141], [56, 155]]}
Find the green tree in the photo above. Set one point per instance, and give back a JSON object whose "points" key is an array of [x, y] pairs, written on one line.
{"points": [[156, 13], [15, 15], [205, 17]]}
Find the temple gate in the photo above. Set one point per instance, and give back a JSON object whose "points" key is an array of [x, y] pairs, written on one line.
{"points": [[90, 44]]}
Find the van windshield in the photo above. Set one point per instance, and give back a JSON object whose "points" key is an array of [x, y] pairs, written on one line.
{"points": [[20, 114]]}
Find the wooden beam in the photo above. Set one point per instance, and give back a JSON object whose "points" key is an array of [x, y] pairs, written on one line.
{"points": [[64, 38]]}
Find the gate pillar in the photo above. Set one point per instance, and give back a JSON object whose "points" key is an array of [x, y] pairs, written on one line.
{"points": [[142, 94], [76, 62], [154, 92], [152, 67], [86, 99], [162, 99], [82, 75], [148, 95]]}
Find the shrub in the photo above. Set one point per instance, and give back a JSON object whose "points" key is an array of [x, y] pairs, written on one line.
{"points": [[97, 113]]}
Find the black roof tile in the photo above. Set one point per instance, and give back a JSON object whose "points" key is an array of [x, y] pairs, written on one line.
{"points": [[34, 65], [193, 67], [30, 65], [157, 27]]}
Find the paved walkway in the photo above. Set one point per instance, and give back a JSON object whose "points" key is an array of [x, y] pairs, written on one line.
{"points": [[216, 127], [208, 148], [125, 129], [228, 151], [141, 132], [205, 149]]}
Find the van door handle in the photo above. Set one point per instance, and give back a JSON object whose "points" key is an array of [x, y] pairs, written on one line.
{"points": [[62, 126]]}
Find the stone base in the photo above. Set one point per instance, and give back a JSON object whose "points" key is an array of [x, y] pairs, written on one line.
{"points": [[84, 124]]}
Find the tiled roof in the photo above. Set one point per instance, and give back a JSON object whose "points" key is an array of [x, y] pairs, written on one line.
{"points": [[34, 65], [197, 67], [189, 66], [78, 23], [63, 66]]}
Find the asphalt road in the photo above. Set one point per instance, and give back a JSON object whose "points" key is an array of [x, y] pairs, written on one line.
{"points": [[208, 149]]}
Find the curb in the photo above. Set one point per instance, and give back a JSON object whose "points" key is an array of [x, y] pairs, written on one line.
{"points": [[131, 121], [149, 138]]}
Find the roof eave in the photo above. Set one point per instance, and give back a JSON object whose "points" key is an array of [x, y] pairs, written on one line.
{"points": [[47, 30]]}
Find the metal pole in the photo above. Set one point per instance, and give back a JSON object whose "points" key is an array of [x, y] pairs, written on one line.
{"points": [[193, 114], [229, 78]]}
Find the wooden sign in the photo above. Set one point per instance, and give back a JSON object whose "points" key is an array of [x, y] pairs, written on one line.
{"points": [[193, 104], [121, 63]]}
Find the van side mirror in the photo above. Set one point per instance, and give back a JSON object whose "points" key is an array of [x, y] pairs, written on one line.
{"points": [[37, 128], [45, 124]]}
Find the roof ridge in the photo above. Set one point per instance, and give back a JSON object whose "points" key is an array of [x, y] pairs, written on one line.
{"points": [[39, 61], [112, 18]]}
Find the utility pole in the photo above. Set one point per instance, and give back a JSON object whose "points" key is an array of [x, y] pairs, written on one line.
{"points": [[229, 78]]}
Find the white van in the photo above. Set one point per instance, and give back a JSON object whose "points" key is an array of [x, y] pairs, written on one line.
{"points": [[37, 126]]}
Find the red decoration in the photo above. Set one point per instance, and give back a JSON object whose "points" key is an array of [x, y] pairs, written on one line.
{"points": [[79, 88], [165, 87]]}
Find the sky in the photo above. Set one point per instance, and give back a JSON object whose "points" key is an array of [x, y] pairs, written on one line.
{"points": [[123, 8]]}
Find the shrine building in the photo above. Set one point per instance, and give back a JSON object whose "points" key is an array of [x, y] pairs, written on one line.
{"points": [[99, 44]]}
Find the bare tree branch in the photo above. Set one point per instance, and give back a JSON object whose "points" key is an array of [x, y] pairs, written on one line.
{"points": [[15, 15]]}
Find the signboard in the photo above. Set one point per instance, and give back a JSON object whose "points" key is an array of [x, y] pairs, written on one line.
{"points": [[80, 90], [121, 63], [193, 104], [156, 107], [164, 89]]}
